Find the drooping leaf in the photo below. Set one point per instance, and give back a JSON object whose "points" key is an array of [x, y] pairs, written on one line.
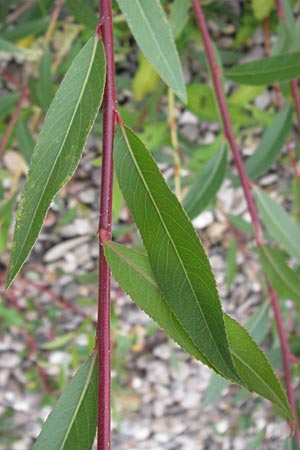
{"points": [[72, 423], [177, 258], [207, 183], [59, 146], [271, 144], [133, 271], [153, 35], [256, 325], [266, 71], [282, 277], [279, 224]]}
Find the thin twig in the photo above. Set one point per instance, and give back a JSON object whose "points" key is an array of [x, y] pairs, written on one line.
{"points": [[245, 182], [105, 30]]}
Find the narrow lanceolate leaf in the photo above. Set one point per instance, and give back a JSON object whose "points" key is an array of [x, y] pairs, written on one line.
{"points": [[271, 144], [282, 277], [59, 146], [72, 423], [207, 184], [279, 224], [133, 271], [153, 35], [266, 71], [177, 258], [254, 368]]}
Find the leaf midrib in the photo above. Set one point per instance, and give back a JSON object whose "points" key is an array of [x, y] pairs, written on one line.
{"points": [[174, 247], [280, 403], [61, 148]]}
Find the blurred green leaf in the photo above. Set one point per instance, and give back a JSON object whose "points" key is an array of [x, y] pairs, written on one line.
{"points": [[30, 27], [153, 35], [231, 264], [25, 139], [206, 184], [256, 443], [83, 12], [45, 86], [261, 10], [179, 16], [282, 277], [266, 71], [271, 144], [8, 102], [279, 224]]}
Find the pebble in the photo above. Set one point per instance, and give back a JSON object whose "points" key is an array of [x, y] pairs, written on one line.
{"points": [[88, 196], [203, 220], [79, 227], [60, 250], [9, 360]]}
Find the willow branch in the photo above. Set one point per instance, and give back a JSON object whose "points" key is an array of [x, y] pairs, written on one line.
{"points": [[245, 182]]}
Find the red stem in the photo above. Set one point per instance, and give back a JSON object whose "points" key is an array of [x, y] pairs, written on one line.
{"points": [[105, 29], [245, 182]]}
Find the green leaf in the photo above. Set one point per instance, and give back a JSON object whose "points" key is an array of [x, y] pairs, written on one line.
{"points": [[146, 79], [25, 139], [207, 183], [262, 9], [8, 101], [231, 264], [215, 388], [153, 35], [59, 146], [179, 16], [257, 324], [201, 101], [279, 224], [256, 443], [177, 258], [254, 368], [266, 71], [282, 277], [45, 90], [6, 46], [133, 271], [72, 423], [271, 144], [31, 27], [82, 12]]}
